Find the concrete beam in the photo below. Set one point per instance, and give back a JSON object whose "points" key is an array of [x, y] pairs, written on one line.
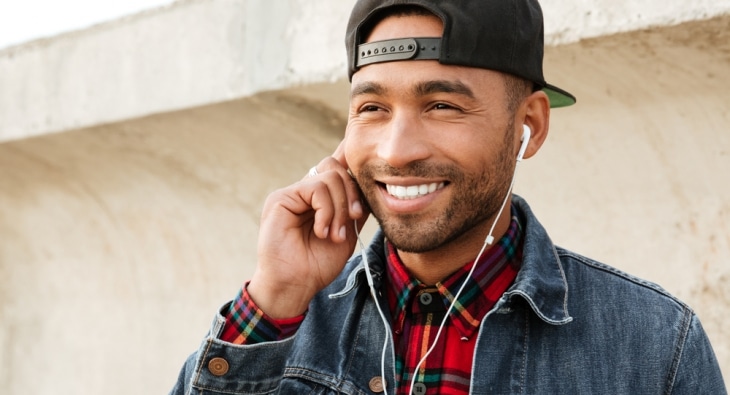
{"points": [[198, 52]]}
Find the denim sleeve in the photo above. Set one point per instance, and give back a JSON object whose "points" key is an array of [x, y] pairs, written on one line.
{"points": [[218, 367], [697, 371]]}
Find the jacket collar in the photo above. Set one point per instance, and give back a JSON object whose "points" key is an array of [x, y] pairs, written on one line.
{"points": [[541, 280]]}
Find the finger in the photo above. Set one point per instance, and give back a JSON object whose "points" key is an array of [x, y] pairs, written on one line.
{"points": [[354, 194], [352, 189], [322, 204], [339, 203], [295, 206], [354, 202], [325, 197]]}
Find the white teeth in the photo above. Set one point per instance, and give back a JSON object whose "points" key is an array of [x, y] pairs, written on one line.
{"points": [[413, 191]]}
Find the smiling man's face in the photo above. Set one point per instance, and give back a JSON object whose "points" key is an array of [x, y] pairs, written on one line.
{"points": [[432, 146]]}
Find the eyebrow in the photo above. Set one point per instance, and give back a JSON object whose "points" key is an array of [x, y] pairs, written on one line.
{"points": [[443, 86], [421, 89], [368, 88]]}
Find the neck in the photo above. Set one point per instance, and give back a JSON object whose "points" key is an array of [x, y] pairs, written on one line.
{"points": [[434, 266]]}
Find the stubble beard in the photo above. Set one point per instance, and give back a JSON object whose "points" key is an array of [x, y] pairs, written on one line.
{"points": [[476, 198]]}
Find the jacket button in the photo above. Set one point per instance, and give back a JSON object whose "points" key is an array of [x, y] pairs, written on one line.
{"points": [[218, 366], [376, 384]]}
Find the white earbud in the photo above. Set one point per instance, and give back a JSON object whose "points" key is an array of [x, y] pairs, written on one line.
{"points": [[525, 139]]}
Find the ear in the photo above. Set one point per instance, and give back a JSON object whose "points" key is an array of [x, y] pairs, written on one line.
{"points": [[535, 113]]}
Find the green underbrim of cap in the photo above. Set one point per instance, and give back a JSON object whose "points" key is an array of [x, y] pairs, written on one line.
{"points": [[558, 97]]}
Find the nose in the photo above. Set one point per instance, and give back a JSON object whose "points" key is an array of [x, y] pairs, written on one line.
{"points": [[404, 141]]}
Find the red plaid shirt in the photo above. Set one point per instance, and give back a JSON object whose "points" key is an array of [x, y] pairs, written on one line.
{"points": [[417, 313]]}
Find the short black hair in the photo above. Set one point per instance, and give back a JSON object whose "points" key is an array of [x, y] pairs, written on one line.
{"points": [[517, 90], [394, 11]]}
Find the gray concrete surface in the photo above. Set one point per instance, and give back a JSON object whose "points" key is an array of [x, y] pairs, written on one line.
{"points": [[198, 52], [119, 241]]}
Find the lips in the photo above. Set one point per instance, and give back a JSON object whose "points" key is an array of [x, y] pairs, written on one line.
{"points": [[406, 192]]}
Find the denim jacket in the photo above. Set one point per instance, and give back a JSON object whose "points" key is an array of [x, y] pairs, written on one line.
{"points": [[568, 325]]}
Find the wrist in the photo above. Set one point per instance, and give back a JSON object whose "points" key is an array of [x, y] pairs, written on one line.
{"points": [[279, 301]]}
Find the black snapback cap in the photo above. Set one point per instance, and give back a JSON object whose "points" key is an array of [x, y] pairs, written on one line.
{"points": [[501, 35]]}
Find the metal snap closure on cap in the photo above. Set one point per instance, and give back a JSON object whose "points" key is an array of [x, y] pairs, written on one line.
{"points": [[425, 298], [419, 388], [376, 384], [218, 366]]}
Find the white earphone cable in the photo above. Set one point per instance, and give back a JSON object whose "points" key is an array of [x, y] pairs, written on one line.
{"points": [[487, 241], [386, 324]]}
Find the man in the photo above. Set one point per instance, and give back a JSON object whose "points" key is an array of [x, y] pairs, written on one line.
{"points": [[461, 291]]}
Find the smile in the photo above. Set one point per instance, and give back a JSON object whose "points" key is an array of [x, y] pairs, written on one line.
{"points": [[412, 191]]}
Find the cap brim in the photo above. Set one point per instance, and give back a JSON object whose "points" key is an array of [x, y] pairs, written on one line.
{"points": [[558, 97]]}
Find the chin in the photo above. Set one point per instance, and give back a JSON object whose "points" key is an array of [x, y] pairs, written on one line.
{"points": [[416, 236]]}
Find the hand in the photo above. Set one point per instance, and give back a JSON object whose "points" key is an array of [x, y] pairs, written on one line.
{"points": [[306, 235]]}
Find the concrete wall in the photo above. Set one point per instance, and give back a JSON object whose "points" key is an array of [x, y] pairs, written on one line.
{"points": [[118, 241]]}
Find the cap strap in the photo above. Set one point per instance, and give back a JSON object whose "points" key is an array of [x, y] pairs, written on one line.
{"points": [[398, 49]]}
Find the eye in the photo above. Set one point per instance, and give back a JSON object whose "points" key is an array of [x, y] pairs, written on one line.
{"points": [[443, 106], [370, 111], [369, 108]]}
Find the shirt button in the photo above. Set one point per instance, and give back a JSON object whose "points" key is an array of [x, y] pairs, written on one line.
{"points": [[218, 366], [419, 389], [426, 298], [376, 384]]}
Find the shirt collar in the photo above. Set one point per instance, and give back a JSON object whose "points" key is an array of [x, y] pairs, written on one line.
{"points": [[496, 271]]}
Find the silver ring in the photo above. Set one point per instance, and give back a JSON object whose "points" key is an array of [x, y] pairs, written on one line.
{"points": [[312, 172]]}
